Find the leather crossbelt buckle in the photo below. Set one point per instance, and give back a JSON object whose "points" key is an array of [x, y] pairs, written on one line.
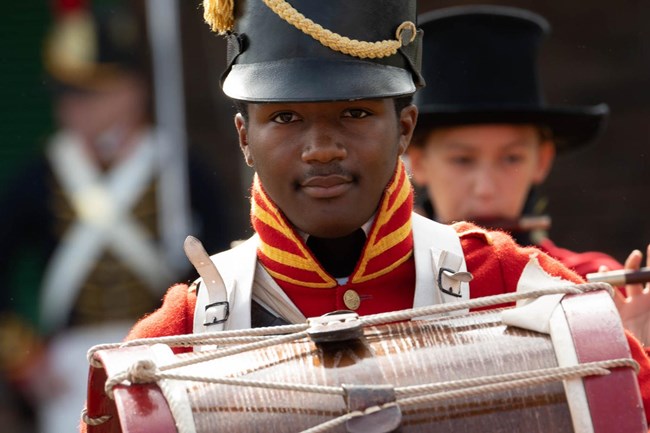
{"points": [[448, 278], [216, 313]]}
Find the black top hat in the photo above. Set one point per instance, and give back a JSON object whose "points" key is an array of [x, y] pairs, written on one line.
{"points": [[480, 64], [295, 57]]}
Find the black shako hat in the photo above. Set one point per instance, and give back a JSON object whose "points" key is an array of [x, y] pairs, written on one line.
{"points": [[310, 51], [88, 46], [480, 64]]}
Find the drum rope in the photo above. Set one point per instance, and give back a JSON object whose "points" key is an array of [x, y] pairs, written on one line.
{"points": [[93, 421], [296, 332], [145, 371], [499, 383], [145, 367], [224, 337], [487, 301], [242, 335], [593, 368]]}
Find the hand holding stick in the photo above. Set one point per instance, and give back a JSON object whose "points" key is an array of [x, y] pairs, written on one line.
{"points": [[634, 303]]}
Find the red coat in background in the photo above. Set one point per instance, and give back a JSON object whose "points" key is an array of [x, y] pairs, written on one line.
{"points": [[582, 263]]}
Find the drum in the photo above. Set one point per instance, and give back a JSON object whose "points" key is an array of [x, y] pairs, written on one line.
{"points": [[463, 373]]}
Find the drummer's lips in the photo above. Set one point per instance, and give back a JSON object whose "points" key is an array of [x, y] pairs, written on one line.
{"points": [[326, 186]]}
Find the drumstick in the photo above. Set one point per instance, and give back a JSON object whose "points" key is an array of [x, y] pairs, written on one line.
{"points": [[621, 277], [535, 222], [524, 224]]}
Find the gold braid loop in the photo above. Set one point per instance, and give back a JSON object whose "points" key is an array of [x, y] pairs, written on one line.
{"points": [[336, 42]]}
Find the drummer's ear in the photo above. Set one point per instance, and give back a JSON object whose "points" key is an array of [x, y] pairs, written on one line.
{"points": [[407, 120], [546, 156], [240, 125]]}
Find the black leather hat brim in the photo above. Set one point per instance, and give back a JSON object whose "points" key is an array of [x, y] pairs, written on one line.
{"points": [[572, 127], [316, 80]]}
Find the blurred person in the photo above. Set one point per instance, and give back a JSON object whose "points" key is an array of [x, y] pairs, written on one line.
{"points": [[485, 139], [93, 208]]}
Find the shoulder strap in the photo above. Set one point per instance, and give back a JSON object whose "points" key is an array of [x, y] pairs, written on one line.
{"points": [[224, 296], [441, 272]]}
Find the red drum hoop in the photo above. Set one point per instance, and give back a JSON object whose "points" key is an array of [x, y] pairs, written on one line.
{"points": [[401, 355]]}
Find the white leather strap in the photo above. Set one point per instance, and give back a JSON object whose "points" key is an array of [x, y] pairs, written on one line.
{"points": [[237, 270], [534, 314], [216, 305], [437, 246], [270, 295]]}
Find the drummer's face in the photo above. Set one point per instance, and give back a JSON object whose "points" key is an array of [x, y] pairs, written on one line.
{"points": [[481, 171], [326, 164]]}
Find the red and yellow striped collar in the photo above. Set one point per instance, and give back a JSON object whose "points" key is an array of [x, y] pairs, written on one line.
{"points": [[285, 256]]}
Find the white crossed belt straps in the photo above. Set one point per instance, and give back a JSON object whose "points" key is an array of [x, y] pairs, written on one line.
{"points": [[102, 203]]}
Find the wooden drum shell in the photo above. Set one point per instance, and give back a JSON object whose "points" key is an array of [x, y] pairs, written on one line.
{"points": [[402, 354]]}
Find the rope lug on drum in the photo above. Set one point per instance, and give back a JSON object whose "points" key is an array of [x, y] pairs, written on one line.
{"points": [[341, 325]]}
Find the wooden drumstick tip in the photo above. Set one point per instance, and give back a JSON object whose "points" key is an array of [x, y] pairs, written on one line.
{"points": [[621, 277]]}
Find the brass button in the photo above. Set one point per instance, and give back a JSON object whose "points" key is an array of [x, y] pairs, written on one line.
{"points": [[351, 299]]}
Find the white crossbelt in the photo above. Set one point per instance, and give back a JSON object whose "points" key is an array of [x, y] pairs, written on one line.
{"points": [[102, 203]]}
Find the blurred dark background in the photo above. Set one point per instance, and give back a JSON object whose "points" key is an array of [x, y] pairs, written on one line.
{"points": [[597, 52]]}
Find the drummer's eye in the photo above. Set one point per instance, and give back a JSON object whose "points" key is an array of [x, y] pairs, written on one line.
{"points": [[285, 117], [356, 113]]}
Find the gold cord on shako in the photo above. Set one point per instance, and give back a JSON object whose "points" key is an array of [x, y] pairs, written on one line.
{"points": [[219, 14]]}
